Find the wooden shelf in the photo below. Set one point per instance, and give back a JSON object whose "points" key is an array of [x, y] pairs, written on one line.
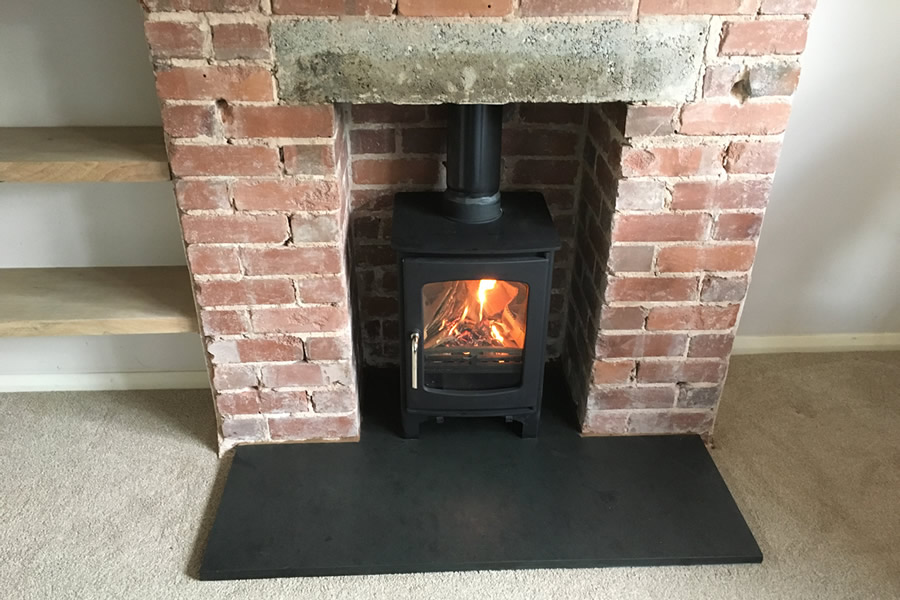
{"points": [[95, 301], [77, 154]]}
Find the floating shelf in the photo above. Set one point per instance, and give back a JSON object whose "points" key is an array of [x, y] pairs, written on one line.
{"points": [[95, 301], [78, 154]]}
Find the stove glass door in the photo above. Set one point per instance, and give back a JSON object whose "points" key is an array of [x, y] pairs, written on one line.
{"points": [[474, 333]]}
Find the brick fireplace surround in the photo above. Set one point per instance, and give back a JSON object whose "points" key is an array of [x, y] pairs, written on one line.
{"points": [[658, 191]]}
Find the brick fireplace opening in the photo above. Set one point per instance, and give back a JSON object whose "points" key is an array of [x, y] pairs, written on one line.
{"points": [[652, 129]]}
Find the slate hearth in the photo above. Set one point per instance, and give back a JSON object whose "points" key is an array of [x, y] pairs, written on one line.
{"points": [[472, 495]]}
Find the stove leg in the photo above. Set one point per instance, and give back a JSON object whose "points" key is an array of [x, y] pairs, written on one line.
{"points": [[530, 426], [410, 425]]}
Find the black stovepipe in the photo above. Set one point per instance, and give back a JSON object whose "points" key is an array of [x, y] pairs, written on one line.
{"points": [[473, 162]]}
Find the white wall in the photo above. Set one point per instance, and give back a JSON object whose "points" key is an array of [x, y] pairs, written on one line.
{"points": [[84, 62], [90, 224], [829, 256], [74, 62]]}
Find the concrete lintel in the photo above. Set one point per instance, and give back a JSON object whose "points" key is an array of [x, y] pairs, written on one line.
{"points": [[424, 61]]}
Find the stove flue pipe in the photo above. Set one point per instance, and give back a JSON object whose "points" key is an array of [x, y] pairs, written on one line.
{"points": [[473, 162]]}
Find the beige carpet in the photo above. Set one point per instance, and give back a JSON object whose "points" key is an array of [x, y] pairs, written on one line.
{"points": [[104, 495]]}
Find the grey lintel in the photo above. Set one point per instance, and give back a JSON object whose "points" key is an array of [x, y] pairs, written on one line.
{"points": [[423, 61]]}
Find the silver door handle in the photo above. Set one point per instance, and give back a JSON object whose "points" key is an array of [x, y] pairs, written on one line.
{"points": [[414, 351]]}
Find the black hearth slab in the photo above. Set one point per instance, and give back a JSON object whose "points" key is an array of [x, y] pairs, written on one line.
{"points": [[471, 494], [420, 227]]}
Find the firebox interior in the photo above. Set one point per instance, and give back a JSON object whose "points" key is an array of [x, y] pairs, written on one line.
{"points": [[474, 333]]}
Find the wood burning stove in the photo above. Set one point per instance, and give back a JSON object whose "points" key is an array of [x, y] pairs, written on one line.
{"points": [[475, 273]]}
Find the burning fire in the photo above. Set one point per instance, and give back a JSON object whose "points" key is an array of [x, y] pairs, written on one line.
{"points": [[498, 305], [483, 286]]}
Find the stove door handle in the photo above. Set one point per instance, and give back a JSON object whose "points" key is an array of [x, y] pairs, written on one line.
{"points": [[414, 351]]}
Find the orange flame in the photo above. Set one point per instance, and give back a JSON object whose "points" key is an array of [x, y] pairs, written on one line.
{"points": [[483, 286]]}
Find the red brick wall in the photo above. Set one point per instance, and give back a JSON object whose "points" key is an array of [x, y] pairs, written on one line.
{"points": [[264, 210], [668, 227], [672, 195]]}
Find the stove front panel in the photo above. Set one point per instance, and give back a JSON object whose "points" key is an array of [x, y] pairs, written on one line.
{"points": [[475, 332]]}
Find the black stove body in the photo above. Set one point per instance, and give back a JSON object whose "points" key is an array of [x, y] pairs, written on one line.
{"points": [[475, 271]]}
